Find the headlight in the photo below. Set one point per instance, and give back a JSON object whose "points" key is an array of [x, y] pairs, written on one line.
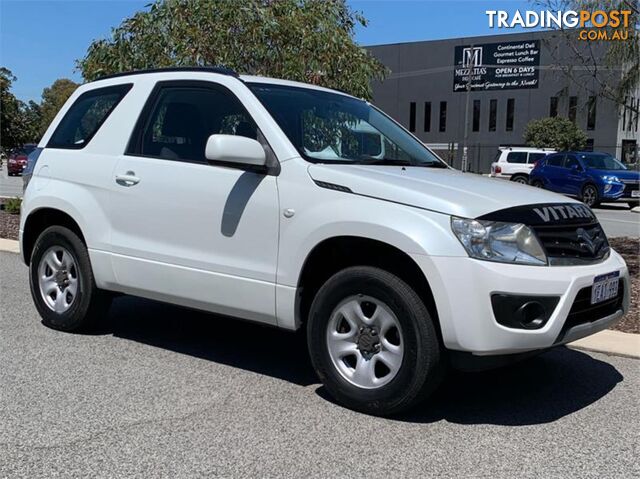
{"points": [[611, 179], [496, 241]]}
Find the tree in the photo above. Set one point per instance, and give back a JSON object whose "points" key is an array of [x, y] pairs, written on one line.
{"points": [[53, 98], [305, 40], [12, 121], [555, 132], [607, 69], [33, 121]]}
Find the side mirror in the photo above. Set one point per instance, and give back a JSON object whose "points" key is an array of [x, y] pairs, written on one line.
{"points": [[235, 149]]}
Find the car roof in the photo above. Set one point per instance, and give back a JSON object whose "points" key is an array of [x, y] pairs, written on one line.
{"points": [[526, 148], [190, 72]]}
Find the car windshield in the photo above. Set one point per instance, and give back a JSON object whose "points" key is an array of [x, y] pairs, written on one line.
{"points": [[333, 128], [602, 162]]}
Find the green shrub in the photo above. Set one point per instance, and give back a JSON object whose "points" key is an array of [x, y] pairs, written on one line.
{"points": [[557, 133], [12, 206]]}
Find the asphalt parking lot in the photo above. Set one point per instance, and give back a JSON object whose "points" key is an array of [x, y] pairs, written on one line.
{"points": [[167, 392], [618, 220]]}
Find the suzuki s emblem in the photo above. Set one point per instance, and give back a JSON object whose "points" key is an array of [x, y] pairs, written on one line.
{"points": [[587, 241]]}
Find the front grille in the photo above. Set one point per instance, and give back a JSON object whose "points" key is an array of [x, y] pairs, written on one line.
{"points": [[566, 244], [582, 311]]}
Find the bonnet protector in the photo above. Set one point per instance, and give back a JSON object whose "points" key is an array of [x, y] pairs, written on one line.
{"points": [[544, 215]]}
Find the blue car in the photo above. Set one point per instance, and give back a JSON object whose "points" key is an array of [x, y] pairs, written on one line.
{"points": [[590, 176]]}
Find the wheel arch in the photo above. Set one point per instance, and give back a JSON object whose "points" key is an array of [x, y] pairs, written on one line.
{"points": [[39, 220], [338, 252], [519, 175]]}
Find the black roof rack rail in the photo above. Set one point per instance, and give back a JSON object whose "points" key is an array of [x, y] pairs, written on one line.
{"points": [[213, 69]]}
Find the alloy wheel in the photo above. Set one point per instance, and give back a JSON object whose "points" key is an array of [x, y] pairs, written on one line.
{"points": [[589, 195]]}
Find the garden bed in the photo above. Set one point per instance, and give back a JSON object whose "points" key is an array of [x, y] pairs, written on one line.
{"points": [[629, 248], [9, 223]]}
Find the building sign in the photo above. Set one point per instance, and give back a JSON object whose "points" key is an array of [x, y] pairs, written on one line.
{"points": [[497, 66]]}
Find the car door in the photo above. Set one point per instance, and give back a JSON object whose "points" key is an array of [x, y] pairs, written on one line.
{"points": [[553, 172], [187, 231], [572, 183]]}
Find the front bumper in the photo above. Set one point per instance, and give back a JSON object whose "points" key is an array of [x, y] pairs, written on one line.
{"points": [[462, 289]]}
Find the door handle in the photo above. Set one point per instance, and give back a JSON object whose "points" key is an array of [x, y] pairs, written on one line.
{"points": [[128, 179]]}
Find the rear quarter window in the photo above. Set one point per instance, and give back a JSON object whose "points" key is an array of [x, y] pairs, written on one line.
{"points": [[517, 157], [554, 160], [85, 117]]}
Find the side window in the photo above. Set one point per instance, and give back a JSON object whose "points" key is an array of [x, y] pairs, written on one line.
{"points": [[517, 157], [85, 117], [570, 162], [555, 160], [182, 119], [535, 157]]}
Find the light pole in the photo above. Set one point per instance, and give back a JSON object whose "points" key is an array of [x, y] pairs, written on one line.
{"points": [[465, 149]]}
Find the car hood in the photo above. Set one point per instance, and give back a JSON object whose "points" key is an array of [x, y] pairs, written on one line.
{"points": [[621, 174], [438, 189]]}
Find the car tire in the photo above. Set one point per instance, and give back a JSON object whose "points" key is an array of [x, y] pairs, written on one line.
{"points": [[62, 282], [520, 179], [590, 196], [408, 363], [537, 184]]}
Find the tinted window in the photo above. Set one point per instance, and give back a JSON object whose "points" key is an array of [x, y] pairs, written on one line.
{"points": [[602, 162], [534, 157], [427, 116], [86, 115], [591, 113], [573, 108], [493, 111], [412, 116], [442, 127], [570, 162], [476, 115], [511, 105], [182, 119], [517, 157], [553, 106], [554, 160]]}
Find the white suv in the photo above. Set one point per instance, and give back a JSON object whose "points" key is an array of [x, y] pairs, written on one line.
{"points": [[301, 207], [515, 163]]}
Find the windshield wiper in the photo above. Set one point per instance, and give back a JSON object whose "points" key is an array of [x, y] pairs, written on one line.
{"points": [[384, 161], [392, 162]]}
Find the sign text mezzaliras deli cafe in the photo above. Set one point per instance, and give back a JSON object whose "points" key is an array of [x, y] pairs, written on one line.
{"points": [[497, 66]]}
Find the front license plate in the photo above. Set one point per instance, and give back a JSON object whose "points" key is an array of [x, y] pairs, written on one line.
{"points": [[604, 287], [635, 194]]}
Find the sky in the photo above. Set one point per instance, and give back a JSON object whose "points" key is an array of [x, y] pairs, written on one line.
{"points": [[40, 40]]}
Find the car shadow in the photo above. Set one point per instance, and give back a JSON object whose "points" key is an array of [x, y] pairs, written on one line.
{"points": [[241, 344], [539, 390]]}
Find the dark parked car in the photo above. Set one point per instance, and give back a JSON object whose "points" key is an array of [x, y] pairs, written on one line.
{"points": [[18, 159], [593, 177]]}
